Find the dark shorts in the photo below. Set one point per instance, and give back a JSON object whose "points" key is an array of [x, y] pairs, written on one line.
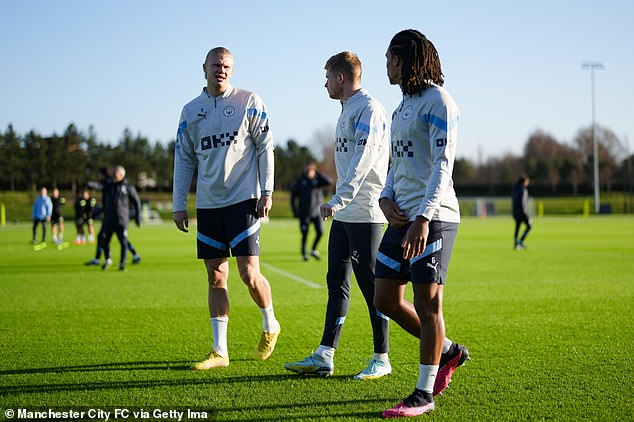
{"points": [[428, 267], [57, 219], [228, 231]]}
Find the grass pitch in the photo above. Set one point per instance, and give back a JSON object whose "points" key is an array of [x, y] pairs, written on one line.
{"points": [[549, 329]]}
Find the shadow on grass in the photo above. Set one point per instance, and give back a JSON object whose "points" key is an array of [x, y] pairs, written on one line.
{"points": [[303, 411], [132, 366], [287, 411], [116, 366]]}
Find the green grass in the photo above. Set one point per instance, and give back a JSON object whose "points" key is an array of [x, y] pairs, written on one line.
{"points": [[549, 329]]}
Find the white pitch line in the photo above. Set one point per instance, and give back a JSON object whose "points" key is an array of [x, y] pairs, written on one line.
{"points": [[291, 276]]}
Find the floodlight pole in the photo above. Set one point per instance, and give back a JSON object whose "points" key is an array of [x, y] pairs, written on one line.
{"points": [[595, 148]]}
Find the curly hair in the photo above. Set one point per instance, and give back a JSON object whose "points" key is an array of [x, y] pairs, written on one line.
{"points": [[420, 66]]}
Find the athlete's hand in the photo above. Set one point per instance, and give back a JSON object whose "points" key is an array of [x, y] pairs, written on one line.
{"points": [[326, 211], [264, 206], [396, 217], [182, 223], [415, 239]]}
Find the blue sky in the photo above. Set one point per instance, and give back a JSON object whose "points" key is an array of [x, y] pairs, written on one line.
{"points": [[513, 67]]}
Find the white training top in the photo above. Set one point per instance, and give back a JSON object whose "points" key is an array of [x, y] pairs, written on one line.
{"points": [[228, 138], [424, 134], [361, 158]]}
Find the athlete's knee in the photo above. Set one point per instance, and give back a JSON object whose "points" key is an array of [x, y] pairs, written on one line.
{"points": [[382, 306], [217, 275], [216, 279], [386, 306], [338, 285], [428, 309], [250, 275]]}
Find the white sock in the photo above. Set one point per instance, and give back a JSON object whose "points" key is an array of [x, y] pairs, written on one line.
{"points": [[446, 344], [269, 323], [219, 330], [427, 377], [382, 357], [326, 352], [55, 238]]}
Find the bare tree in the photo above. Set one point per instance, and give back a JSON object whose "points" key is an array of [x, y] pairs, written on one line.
{"points": [[611, 151]]}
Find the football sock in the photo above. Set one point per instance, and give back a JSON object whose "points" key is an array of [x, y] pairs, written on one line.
{"points": [[269, 323], [427, 377], [418, 398], [382, 357], [326, 352], [219, 330], [446, 345]]}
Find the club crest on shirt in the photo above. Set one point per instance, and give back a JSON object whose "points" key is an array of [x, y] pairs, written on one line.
{"points": [[408, 112], [228, 111]]}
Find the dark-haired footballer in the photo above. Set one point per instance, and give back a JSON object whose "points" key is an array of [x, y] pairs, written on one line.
{"points": [[421, 207]]}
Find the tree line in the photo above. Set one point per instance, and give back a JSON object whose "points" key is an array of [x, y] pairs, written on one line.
{"points": [[73, 158]]}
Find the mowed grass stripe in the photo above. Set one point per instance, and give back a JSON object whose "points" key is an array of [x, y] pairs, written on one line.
{"points": [[291, 276]]}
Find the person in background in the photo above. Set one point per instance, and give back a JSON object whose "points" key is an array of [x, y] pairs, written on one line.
{"points": [[118, 197], [519, 199], [85, 208], [42, 211], [306, 197], [57, 220]]}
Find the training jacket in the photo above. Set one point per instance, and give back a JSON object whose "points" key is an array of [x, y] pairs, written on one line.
{"points": [[519, 196], [361, 159], [42, 208], [228, 138], [118, 198], [309, 194], [57, 204], [424, 133]]}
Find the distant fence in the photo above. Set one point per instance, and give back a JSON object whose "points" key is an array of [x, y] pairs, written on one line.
{"points": [[16, 206], [490, 206]]}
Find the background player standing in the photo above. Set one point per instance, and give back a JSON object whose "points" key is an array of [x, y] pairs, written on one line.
{"points": [[306, 197], [85, 206], [91, 212], [118, 197], [225, 132], [421, 207], [42, 210], [57, 220], [361, 160], [519, 199]]}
